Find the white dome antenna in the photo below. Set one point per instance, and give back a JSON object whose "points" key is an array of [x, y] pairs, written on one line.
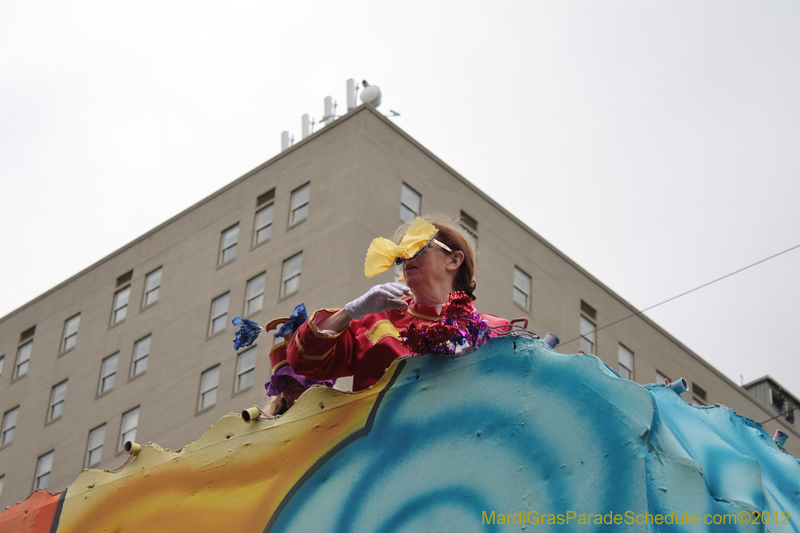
{"points": [[371, 94]]}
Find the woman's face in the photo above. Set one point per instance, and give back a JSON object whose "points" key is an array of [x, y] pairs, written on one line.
{"points": [[430, 267]]}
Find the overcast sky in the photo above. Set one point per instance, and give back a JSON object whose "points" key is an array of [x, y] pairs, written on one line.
{"points": [[655, 143]]}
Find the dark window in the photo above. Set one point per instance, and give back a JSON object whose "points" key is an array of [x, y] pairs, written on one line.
{"points": [[470, 227], [588, 310], [27, 334], [698, 391], [266, 197], [125, 278]]}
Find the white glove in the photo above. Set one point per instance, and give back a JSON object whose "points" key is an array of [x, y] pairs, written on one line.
{"points": [[378, 298]]}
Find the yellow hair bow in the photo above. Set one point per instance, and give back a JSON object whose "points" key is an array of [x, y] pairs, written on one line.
{"points": [[383, 253]]}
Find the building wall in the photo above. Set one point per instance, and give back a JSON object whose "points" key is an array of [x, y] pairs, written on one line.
{"points": [[761, 392], [356, 168]]}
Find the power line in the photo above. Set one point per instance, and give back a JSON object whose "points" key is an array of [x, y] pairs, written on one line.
{"points": [[786, 412], [689, 291]]}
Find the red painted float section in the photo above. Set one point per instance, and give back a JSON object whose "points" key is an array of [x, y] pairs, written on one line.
{"points": [[35, 515]]}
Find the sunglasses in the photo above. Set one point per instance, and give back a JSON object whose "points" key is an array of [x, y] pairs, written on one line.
{"points": [[401, 260]]}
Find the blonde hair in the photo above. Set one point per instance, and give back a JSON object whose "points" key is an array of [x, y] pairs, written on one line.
{"points": [[456, 241]]}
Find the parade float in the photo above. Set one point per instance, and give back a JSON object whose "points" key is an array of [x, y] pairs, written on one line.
{"points": [[511, 436]]}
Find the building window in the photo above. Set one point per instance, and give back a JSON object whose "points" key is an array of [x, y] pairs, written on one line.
{"points": [[141, 351], [27, 334], [209, 383], [57, 396], [120, 307], [263, 225], [783, 404], [94, 448], [2, 480], [108, 372], [410, 201], [469, 226], [292, 268], [255, 294], [152, 286], [625, 363], [299, 204], [588, 310], [522, 288], [9, 425], [227, 244], [2, 362], [699, 392], [219, 313], [23, 358], [588, 335], [125, 278], [661, 379], [245, 369], [70, 336], [43, 467], [127, 430]]}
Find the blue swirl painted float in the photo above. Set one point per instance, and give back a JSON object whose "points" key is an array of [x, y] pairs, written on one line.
{"points": [[510, 437], [518, 433]]}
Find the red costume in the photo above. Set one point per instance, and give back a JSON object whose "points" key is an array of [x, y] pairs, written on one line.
{"points": [[365, 349]]}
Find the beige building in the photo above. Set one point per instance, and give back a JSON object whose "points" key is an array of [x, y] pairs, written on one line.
{"points": [[139, 345], [769, 392]]}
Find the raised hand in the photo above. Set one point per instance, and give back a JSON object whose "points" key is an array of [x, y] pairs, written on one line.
{"points": [[378, 298]]}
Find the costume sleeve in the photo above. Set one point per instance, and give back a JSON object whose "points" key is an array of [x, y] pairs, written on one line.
{"points": [[319, 355]]}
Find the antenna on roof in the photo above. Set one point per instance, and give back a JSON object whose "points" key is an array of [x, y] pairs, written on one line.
{"points": [[330, 111], [371, 94], [352, 92], [286, 140]]}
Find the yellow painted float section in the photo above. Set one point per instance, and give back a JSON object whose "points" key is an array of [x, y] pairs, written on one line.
{"points": [[233, 479]]}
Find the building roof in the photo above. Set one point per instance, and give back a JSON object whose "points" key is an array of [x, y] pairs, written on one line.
{"points": [[773, 383]]}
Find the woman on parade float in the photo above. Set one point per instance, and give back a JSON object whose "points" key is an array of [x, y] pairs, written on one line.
{"points": [[373, 330]]}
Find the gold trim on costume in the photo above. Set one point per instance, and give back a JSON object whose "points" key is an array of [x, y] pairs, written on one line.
{"points": [[279, 365], [317, 333], [309, 356], [275, 322], [423, 317], [381, 330], [277, 347]]}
